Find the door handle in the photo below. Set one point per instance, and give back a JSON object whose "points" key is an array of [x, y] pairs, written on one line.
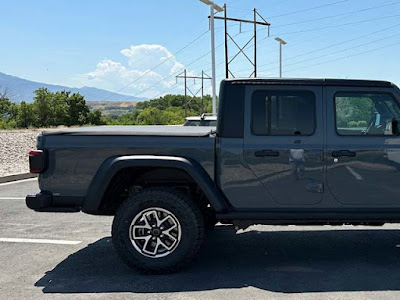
{"points": [[263, 153], [347, 153]]}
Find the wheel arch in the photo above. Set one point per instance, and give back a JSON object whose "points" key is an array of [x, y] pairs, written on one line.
{"points": [[112, 166]]}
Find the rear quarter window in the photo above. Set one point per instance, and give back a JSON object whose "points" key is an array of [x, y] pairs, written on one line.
{"points": [[283, 113]]}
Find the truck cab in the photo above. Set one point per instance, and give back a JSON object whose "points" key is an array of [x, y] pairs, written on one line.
{"points": [[316, 150]]}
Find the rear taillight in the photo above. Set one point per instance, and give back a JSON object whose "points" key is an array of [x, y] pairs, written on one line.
{"points": [[36, 161]]}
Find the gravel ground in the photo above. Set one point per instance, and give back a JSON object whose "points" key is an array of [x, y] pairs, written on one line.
{"points": [[14, 148]]}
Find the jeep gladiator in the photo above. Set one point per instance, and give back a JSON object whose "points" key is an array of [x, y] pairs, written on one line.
{"points": [[285, 151]]}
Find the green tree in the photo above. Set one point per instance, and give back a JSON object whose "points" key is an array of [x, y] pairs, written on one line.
{"points": [[94, 118], [5, 104], [126, 119], [25, 116], [150, 116], [60, 107], [174, 116], [77, 110], [42, 108], [170, 109], [8, 110]]}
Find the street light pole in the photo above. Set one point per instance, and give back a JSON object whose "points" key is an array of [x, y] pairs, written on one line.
{"points": [[214, 89], [281, 42], [213, 81]]}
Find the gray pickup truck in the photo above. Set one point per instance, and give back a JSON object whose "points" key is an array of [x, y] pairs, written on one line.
{"points": [[290, 151]]}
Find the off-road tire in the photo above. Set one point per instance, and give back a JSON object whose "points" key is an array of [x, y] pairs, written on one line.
{"points": [[181, 206]]}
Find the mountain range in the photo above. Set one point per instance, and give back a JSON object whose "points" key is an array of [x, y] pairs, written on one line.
{"points": [[19, 89]]}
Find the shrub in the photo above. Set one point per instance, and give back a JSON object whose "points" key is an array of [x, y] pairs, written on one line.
{"points": [[352, 124], [362, 124]]}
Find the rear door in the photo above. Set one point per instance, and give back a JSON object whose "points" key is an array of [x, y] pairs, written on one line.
{"points": [[283, 142], [363, 155]]}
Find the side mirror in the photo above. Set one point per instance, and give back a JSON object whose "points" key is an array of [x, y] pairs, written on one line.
{"points": [[395, 127]]}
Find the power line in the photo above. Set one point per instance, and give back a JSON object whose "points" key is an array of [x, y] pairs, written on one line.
{"points": [[221, 62], [335, 52], [337, 44], [338, 15], [165, 91], [344, 57], [165, 78], [253, 39], [351, 23], [161, 63], [307, 9], [357, 46], [203, 77], [171, 75], [334, 26], [233, 2], [191, 63], [328, 47], [326, 27]]}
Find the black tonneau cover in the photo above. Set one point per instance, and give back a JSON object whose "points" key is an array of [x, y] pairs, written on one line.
{"points": [[150, 130]]}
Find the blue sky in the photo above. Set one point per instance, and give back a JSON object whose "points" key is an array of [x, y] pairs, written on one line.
{"points": [[117, 44]]}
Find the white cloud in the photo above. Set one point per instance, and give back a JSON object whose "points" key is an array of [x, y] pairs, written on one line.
{"points": [[137, 70]]}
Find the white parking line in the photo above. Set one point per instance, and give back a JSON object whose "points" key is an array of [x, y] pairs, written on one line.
{"points": [[19, 181], [12, 198], [39, 241], [354, 173]]}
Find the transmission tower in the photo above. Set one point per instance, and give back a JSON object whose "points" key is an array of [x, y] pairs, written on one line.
{"points": [[255, 22], [203, 77]]}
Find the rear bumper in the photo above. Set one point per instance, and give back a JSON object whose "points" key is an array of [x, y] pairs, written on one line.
{"points": [[46, 202]]}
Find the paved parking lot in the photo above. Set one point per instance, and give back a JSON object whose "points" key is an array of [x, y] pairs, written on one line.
{"points": [[70, 256]]}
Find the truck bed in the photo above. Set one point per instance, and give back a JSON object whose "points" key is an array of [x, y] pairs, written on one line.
{"points": [[150, 130], [79, 152]]}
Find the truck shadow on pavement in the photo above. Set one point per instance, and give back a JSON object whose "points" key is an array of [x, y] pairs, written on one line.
{"points": [[278, 261]]}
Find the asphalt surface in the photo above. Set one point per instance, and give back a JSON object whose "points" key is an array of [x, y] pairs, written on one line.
{"points": [[263, 262]]}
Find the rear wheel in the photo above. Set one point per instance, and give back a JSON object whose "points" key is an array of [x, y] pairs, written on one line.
{"points": [[157, 230]]}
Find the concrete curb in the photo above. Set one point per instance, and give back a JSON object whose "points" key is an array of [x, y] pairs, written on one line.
{"points": [[17, 177]]}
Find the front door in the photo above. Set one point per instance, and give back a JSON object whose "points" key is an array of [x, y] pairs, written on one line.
{"points": [[283, 142], [363, 155]]}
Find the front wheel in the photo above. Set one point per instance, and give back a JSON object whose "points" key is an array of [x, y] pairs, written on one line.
{"points": [[157, 230]]}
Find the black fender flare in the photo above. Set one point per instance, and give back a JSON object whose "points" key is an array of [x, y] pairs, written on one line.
{"points": [[112, 165]]}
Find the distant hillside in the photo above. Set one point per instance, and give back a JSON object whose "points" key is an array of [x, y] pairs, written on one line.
{"points": [[112, 108], [21, 89]]}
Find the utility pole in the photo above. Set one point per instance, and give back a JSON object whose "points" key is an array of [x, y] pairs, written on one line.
{"points": [[226, 41], [203, 77], [253, 39], [255, 43], [185, 95], [281, 42], [202, 91], [213, 7]]}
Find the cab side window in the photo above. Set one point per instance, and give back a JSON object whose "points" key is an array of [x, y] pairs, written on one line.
{"points": [[368, 114], [283, 113]]}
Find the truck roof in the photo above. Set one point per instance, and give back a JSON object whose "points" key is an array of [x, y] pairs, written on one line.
{"points": [[310, 81]]}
